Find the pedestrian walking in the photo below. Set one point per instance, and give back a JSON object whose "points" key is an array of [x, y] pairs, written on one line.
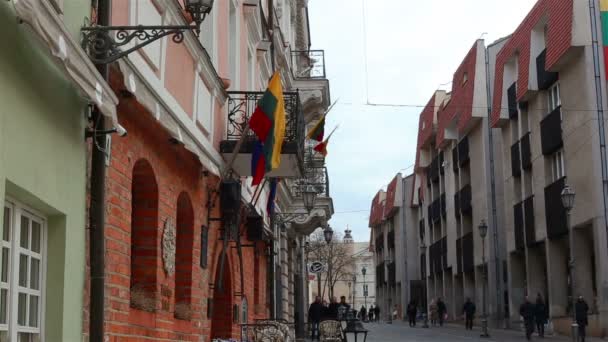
{"points": [[315, 314], [527, 312], [581, 310], [468, 310], [433, 310], [442, 311], [371, 313], [411, 313], [541, 314], [363, 313], [343, 308], [377, 313], [332, 310]]}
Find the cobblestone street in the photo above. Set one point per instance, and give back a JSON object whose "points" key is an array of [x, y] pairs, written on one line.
{"points": [[400, 331]]}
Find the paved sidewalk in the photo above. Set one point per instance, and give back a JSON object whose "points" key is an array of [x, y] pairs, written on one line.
{"points": [[400, 331]]}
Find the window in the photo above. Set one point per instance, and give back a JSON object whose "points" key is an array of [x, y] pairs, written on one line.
{"points": [[553, 98], [203, 106], [21, 275], [207, 36], [465, 78], [557, 165], [233, 45], [147, 13]]}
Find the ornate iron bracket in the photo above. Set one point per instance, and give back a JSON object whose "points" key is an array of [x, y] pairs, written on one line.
{"points": [[104, 43], [282, 218]]}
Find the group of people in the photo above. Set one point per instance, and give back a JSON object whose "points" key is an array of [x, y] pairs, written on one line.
{"points": [[371, 315], [437, 309], [536, 315], [321, 310]]}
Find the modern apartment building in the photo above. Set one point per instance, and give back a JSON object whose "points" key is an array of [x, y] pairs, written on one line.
{"points": [[548, 87], [393, 238]]}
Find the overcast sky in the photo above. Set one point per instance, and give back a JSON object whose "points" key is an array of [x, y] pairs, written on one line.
{"points": [[381, 54]]}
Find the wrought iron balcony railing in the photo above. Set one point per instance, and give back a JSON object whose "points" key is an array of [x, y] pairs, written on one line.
{"points": [[308, 64], [241, 106]]}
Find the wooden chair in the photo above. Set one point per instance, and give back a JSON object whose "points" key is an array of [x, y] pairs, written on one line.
{"points": [[330, 331]]}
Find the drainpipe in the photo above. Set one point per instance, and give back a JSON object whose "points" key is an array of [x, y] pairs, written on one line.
{"points": [[593, 13], [498, 274], [404, 239], [97, 205]]}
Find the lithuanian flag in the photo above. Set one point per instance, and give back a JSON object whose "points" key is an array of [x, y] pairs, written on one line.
{"points": [[322, 146], [268, 123], [317, 132]]}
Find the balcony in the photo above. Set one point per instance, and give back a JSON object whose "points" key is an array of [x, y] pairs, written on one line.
{"points": [[315, 175], [455, 159], [308, 64], [468, 261], [555, 214], [529, 221], [392, 276], [512, 100], [390, 239], [463, 151], [241, 106], [515, 161], [464, 197], [545, 78], [518, 226], [526, 153], [380, 279], [551, 131]]}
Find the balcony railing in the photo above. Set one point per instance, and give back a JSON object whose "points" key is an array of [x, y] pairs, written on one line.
{"points": [[515, 160], [308, 64], [241, 106], [526, 153], [464, 197], [518, 226], [551, 131], [468, 260], [315, 175], [529, 221], [512, 100], [463, 151], [545, 78], [392, 276], [555, 214]]}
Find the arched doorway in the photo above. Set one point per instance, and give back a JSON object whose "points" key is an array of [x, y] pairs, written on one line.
{"points": [[221, 323]]}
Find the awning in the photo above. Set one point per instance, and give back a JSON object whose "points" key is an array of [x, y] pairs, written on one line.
{"points": [[49, 27], [146, 96]]}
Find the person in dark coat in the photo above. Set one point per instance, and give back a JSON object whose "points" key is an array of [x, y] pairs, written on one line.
{"points": [[412, 309], [332, 309], [371, 313], [315, 314], [541, 314], [343, 308], [527, 310], [468, 310], [377, 313], [363, 313], [441, 310], [582, 310]]}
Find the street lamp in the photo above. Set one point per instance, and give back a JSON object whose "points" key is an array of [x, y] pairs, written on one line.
{"points": [[423, 276], [353, 329], [363, 271], [308, 196], [483, 232], [387, 260], [328, 234], [568, 202]]}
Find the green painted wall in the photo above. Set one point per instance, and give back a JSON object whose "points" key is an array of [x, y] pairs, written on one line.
{"points": [[43, 160]]}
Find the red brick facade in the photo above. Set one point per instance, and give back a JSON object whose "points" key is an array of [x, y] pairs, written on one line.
{"points": [[152, 182], [460, 104], [559, 16]]}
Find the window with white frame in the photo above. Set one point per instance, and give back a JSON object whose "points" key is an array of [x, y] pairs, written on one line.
{"points": [[207, 36], [557, 165], [147, 13], [22, 263], [553, 99], [233, 44]]}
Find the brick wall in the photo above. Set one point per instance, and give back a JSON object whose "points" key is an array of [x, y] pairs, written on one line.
{"points": [[149, 181]]}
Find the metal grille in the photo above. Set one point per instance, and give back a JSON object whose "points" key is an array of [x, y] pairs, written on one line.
{"points": [[308, 64], [241, 106]]}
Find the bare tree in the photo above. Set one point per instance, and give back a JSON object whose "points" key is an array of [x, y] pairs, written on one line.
{"points": [[337, 256]]}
